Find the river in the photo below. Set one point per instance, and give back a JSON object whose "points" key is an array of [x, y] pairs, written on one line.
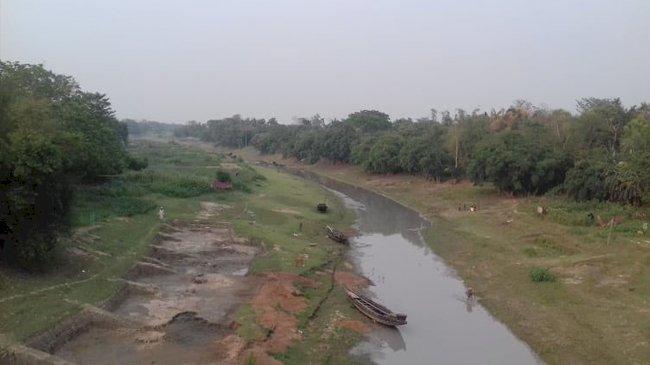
{"points": [[443, 326]]}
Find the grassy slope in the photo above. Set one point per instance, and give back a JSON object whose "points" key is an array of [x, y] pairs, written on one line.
{"points": [[272, 217], [31, 303], [595, 313], [122, 216]]}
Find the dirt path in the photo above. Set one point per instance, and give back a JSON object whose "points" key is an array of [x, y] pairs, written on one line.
{"points": [[177, 303]]}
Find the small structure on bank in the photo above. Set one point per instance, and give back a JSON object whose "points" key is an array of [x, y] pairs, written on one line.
{"points": [[321, 207], [221, 185]]}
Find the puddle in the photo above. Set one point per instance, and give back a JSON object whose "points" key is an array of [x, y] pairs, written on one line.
{"points": [[179, 302], [443, 327]]}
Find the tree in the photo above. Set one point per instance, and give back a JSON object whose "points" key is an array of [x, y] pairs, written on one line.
{"points": [[383, 156], [601, 123], [368, 121], [53, 134], [520, 162], [586, 179]]}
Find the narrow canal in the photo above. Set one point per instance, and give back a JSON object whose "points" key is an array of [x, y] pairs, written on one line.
{"points": [[443, 327]]}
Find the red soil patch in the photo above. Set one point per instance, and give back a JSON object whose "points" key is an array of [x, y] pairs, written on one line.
{"points": [[351, 280], [230, 347], [353, 325], [275, 305]]}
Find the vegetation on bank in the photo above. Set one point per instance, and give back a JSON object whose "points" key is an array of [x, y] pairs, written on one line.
{"points": [[114, 224], [601, 153], [53, 135], [588, 300]]}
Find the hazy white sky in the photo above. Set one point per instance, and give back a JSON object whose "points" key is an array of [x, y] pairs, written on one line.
{"points": [[179, 60]]}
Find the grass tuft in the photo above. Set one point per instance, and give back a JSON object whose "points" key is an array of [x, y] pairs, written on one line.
{"points": [[541, 275]]}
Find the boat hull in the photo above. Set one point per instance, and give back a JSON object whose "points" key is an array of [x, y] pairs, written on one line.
{"points": [[376, 311]]}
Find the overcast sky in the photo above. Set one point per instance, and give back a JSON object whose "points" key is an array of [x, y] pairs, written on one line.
{"points": [[181, 60]]}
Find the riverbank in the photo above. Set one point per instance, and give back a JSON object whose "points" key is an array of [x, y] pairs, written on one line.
{"points": [[292, 312], [594, 312]]}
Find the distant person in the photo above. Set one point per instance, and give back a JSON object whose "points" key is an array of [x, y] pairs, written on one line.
{"points": [[161, 213]]}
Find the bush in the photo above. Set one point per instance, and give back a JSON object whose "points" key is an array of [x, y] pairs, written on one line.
{"points": [[541, 275], [171, 184], [94, 203], [520, 162], [383, 156], [137, 164], [600, 177], [586, 179], [223, 176]]}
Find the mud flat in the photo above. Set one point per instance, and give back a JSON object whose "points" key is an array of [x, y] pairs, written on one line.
{"points": [[176, 304]]}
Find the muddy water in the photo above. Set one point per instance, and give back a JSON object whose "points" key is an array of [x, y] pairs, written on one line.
{"points": [[443, 327]]}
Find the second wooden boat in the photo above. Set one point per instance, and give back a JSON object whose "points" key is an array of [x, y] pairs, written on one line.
{"points": [[375, 311], [336, 235]]}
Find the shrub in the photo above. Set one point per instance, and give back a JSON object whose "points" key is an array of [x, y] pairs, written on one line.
{"points": [[94, 203], [137, 164], [383, 156], [541, 275], [586, 179], [171, 184], [600, 177], [223, 176], [520, 162]]}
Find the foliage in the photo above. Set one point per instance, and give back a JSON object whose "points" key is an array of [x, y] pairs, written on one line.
{"points": [[520, 162], [369, 121], [96, 202], [522, 149], [53, 135], [223, 176], [137, 164], [586, 179], [383, 156], [541, 275]]}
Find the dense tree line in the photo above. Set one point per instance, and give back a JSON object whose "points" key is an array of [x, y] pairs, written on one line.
{"points": [[52, 135], [602, 152]]}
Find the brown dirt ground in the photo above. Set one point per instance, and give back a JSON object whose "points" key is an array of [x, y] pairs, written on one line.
{"points": [[348, 279], [275, 305], [354, 325]]}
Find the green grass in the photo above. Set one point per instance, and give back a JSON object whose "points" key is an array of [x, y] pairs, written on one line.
{"points": [[120, 213], [541, 275], [593, 311], [281, 216], [274, 210]]}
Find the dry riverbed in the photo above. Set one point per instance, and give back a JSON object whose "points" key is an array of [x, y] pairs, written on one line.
{"points": [[227, 278]]}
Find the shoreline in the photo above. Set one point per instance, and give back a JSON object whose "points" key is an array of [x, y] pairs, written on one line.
{"points": [[487, 255]]}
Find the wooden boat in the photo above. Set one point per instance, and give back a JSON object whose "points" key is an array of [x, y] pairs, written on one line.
{"points": [[336, 235], [376, 311], [321, 207]]}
